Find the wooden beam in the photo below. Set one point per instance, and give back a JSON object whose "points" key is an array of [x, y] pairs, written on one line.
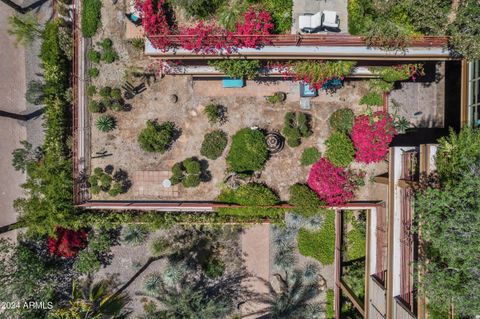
{"points": [[381, 179], [357, 303], [338, 264]]}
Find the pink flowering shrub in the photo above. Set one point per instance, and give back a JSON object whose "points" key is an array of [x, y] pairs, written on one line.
{"points": [[202, 38], [155, 21], [255, 25], [371, 136], [206, 39], [334, 185]]}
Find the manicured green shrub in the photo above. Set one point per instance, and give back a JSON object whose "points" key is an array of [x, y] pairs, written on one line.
{"points": [[96, 107], [105, 92], [297, 125], [156, 137], [342, 120], [340, 150], [105, 123], [251, 194], [93, 56], [305, 200], [310, 156], [91, 90], [91, 17], [215, 113], [235, 68], [116, 94], [109, 56], [319, 244], [214, 144], [372, 99], [248, 152], [93, 72], [187, 172], [106, 44]]}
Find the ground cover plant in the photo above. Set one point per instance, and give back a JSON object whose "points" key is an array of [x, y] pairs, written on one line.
{"points": [[296, 126], [310, 155], [319, 244], [248, 152], [188, 172], [214, 144], [340, 151], [91, 17], [236, 68], [372, 99], [157, 137], [317, 73]]}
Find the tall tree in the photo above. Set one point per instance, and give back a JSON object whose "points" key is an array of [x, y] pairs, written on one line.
{"points": [[449, 224]]}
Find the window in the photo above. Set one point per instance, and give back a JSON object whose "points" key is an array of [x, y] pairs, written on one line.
{"points": [[474, 93]]}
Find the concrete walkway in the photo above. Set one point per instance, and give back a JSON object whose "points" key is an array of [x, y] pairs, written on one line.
{"points": [[256, 250]]}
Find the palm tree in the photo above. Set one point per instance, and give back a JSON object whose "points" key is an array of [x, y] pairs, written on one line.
{"points": [[294, 299], [94, 301], [186, 297]]}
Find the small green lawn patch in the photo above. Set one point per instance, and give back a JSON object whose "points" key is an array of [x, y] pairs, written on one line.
{"points": [[319, 244], [329, 312]]}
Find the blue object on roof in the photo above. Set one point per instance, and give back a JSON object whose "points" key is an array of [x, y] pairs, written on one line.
{"points": [[134, 17], [233, 83], [307, 91]]}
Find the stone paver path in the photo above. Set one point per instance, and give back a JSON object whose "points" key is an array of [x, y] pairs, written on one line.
{"points": [[149, 183]]}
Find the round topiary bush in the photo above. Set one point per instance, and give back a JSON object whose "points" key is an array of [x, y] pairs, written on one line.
{"points": [[340, 150], [342, 120], [248, 152], [214, 144], [156, 137], [187, 172]]}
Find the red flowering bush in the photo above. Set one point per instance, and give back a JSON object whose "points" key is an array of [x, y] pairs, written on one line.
{"points": [[206, 39], [371, 136], [254, 26], [67, 242], [155, 21], [334, 185]]}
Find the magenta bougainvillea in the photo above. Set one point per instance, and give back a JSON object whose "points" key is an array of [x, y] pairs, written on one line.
{"points": [[250, 33], [203, 38], [67, 243], [155, 22], [371, 136], [334, 185], [206, 39]]}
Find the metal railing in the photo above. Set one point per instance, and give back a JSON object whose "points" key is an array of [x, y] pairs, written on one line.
{"points": [[308, 39]]}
